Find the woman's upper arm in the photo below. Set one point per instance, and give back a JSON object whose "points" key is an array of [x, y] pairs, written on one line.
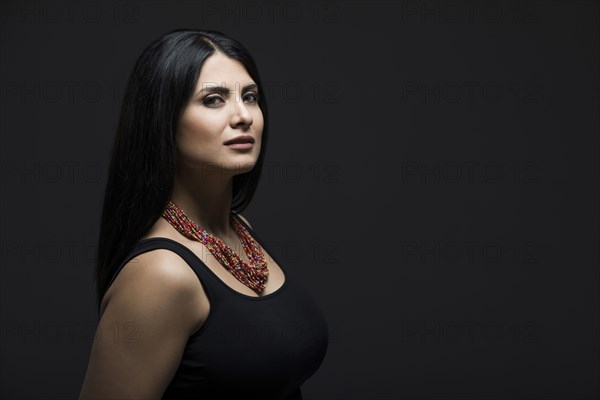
{"points": [[143, 330]]}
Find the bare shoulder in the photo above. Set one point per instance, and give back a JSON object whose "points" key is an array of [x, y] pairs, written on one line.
{"points": [[143, 329], [157, 278], [244, 219]]}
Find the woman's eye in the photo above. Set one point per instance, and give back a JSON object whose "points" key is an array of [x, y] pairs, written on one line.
{"points": [[208, 101], [255, 95]]}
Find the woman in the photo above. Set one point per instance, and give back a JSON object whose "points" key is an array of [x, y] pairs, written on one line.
{"points": [[191, 303]]}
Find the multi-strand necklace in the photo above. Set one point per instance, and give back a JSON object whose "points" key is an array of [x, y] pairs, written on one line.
{"points": [[253, 274]]}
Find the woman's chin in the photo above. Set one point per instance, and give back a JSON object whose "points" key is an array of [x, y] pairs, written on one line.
{"points": [[233, 167], [243, 168]]}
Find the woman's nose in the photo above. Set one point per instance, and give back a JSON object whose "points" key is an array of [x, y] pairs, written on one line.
{"points": [[242, 116]]}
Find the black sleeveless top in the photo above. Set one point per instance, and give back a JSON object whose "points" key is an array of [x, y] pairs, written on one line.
{"points": [[248, 347]]}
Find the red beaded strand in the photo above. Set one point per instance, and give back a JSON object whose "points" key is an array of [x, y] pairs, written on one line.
{"points": [[253, 275]]}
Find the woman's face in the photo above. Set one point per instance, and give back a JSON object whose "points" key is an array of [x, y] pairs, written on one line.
{"points": [[212, 118]]}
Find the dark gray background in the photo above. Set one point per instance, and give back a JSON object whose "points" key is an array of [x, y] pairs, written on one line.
{"points": [[432, 178]]}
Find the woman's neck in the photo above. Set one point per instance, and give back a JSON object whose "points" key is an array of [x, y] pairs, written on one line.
{"points": [[206, 199]]}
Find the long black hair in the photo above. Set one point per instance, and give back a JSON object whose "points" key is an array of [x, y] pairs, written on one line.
{"points": [[143, 159]]}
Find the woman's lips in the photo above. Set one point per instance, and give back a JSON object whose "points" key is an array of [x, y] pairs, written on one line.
{"points": [[241, 146]]}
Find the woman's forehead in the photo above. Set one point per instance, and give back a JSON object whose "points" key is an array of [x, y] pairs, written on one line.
{"points": [[219, 70]]}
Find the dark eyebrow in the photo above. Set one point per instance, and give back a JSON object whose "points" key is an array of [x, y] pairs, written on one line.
{"points": [[224, 91]]}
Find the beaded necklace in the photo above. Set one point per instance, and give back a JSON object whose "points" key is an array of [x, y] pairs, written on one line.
{"points": [[253, 275]]}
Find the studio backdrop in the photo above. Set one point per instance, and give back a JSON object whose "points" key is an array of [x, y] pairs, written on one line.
{"points": [[431, 178]]}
